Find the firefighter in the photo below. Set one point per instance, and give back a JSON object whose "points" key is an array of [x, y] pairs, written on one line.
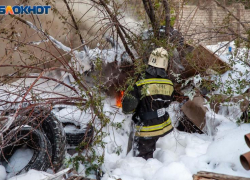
{"points": [[148, 102]]}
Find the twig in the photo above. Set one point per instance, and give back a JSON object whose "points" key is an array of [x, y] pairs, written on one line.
{"points": [[224, 46], [77, 28], [237, 19]]}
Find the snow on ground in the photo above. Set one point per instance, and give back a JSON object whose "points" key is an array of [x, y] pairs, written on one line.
{"points": [[19, 160], [72, 114], [2, 173], [32, 175], [178, 156], [240, 71]]}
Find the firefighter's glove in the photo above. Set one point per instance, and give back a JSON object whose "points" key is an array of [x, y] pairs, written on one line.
{"points": [[129, 105]]}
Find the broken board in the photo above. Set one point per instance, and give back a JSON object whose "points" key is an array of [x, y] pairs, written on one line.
{"points": [[202, 175], [195, 111], [201, 60]]}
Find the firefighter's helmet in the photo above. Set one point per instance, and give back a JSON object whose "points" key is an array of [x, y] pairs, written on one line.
{"points": [[159, 58]]}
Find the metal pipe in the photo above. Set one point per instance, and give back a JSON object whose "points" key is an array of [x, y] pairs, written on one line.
{"points": [[245, 160], [247, 139]]}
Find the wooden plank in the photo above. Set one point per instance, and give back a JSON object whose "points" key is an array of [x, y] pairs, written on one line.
{"points": [[202, 175], [201, 60], [205, 59], [196, 111], [196, 177], [59, 175]]}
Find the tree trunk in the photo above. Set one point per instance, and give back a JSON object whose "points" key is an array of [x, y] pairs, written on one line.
{"points": [[149, 8], [167, 18]]}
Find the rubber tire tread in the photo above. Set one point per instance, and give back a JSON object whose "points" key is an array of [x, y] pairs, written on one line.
{"points": [[74, 139], [42, 156], [53, 129]]}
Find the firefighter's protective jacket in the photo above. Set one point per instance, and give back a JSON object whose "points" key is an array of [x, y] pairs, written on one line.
{"points": [[148, 102]]}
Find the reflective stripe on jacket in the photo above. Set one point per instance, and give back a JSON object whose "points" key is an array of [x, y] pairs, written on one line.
{"points": [[152, 94], [156, 130]]}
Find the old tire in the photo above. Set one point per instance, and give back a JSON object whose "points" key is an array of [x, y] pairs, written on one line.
{"points": [[35, 140], [54, 131], [46, 122], [78, 136]]}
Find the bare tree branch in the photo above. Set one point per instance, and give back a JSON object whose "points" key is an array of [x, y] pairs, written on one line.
{"points": [[237, 19], [115, 20], [76, 27]]}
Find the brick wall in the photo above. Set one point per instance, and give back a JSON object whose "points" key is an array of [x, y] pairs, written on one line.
{"points": [[208, 24], [203, 22]]}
